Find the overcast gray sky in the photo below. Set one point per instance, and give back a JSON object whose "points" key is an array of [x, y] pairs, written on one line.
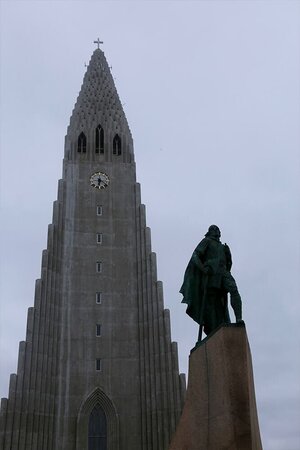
{"points": [[211, 90]]}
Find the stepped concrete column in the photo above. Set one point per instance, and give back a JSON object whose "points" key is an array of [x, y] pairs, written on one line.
{"points": [[220, 408]]}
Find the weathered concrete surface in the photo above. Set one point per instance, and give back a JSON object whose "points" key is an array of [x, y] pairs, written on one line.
{"points": [[220, 408], [58, 385]]}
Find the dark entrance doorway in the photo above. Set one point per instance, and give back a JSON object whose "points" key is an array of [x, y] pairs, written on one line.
{"points": [[97, 429]]}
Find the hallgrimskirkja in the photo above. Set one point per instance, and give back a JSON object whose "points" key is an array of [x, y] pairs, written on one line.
{"points": [[97, 369]]}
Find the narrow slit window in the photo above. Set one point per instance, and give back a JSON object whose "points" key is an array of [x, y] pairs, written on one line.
{"points": [[117, 145], [98, 329], [98, 364], [99, 139], [99, 266], [99, 210], [81, 145], [98, 297], [99, 238]]}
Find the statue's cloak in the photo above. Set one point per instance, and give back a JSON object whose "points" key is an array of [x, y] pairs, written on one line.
{"points": [[206, 300], [192, 290]]}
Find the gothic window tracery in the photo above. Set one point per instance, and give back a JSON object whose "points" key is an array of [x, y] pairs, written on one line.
{"points": [[97, 434], [117, 145], [81, 145], [99, 139]]}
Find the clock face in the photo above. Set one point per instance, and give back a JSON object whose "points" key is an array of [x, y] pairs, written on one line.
{"points": [[99, 180]]}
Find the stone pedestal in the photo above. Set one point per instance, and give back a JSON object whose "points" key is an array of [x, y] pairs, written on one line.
{"points": [[220, 408]]}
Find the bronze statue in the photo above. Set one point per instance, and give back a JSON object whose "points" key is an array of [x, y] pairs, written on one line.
{"points": [[207, 281]]}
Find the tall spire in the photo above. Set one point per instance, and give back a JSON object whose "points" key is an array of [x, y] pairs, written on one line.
{"points": [[98, 103]]}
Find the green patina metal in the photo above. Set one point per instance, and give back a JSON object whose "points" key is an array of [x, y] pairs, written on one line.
{"points": [[207, 281]]}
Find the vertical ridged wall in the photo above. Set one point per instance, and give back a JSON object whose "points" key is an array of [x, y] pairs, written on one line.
{"points": [[27, 417], [162, 392]]}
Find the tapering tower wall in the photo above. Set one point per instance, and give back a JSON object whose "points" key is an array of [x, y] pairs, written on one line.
{"points": [[98, 338]]}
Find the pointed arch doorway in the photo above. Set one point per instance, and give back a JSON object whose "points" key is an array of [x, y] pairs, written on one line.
{"points": [[97, 430], [97, 423]]}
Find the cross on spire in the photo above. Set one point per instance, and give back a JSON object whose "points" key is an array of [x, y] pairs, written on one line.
{"points": [[98, 42]]}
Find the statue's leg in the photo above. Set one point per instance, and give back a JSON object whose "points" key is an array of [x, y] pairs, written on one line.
{"points": [[235, 298], [236, 304]]}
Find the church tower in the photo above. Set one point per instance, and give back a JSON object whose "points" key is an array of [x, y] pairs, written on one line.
{"points": [[98, 370]]}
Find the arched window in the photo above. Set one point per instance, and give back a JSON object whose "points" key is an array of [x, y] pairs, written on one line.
{"points": [[97, 429], [99, 138], [117, 147], [81, 147]]}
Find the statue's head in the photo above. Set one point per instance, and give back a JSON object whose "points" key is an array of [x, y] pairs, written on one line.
{"points": [[214, 232]]}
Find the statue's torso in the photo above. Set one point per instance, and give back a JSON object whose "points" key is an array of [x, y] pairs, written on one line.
{"points": [[212, 254]]}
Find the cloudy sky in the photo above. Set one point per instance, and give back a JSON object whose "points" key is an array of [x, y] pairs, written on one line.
{"points": [[211, 90]]}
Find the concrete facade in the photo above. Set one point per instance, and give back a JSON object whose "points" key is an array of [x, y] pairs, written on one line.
{"points": [[220, 408], [98, 298]]}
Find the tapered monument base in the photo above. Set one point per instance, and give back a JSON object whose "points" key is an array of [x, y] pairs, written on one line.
{"points": [[220, 408]]}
